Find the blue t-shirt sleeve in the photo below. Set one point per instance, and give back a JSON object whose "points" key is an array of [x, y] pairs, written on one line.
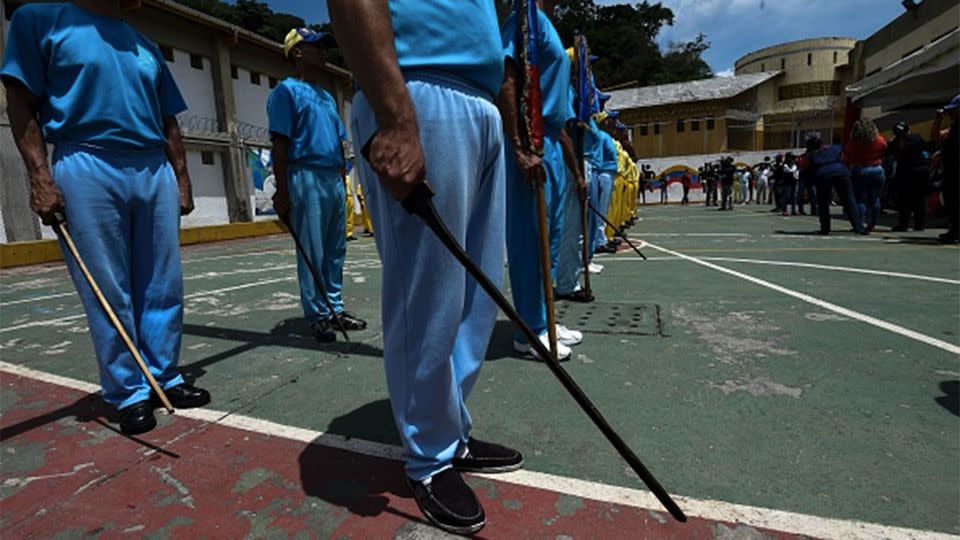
{"points": [[171, 100], [24, 59], [280, 111]]}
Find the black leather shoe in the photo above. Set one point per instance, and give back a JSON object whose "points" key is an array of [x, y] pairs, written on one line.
{"points": [[484, 457], [183, 396], [322, 331], [449, 503], [349, 321], [579, 296], [137, 418]]}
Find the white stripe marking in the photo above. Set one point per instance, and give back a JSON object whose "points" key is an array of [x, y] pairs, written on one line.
{"points": [[61, 320], [896, 329], [801, 265], [788, 522]]}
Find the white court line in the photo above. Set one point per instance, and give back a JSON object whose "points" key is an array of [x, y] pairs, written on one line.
{"points": [[801, 265], [37, 299], [56, 322], [764, 518], [896, 329]]}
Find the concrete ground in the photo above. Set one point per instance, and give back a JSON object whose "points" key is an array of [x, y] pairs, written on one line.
{"points": [[779, 383]]}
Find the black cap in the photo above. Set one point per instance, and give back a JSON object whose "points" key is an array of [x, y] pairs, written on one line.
{"points": [[901, 128]]}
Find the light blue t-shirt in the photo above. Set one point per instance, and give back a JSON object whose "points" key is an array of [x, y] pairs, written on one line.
{"points": [[307, 115], [554, 67], [608, 159], [593, 146], [99, 80], [456, 36]]}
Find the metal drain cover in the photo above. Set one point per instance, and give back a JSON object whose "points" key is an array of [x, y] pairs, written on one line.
{"points": [[612, 318]]}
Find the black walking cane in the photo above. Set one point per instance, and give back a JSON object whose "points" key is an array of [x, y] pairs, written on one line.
{"points": [[316, 276], [616, 230], [419, 204]]}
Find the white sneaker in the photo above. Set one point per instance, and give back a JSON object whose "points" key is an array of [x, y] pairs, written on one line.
{"points": [[563, 352], [567, 336], [595, 268]]}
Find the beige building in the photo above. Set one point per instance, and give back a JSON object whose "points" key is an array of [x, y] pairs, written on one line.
{"points": [[809, 95], [778, 94], [225, 74], [910, 67]]}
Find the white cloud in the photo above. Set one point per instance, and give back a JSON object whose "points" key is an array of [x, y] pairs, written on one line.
{"points": [[725, 73]]}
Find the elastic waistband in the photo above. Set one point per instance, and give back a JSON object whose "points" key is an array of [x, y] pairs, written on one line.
{"points": [[72, 146], [864, 167], [449, 80]]}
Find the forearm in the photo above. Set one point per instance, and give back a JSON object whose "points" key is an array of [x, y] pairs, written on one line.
{"points": [[935, 132], [365, 36], [176, 153], [27, 135], [280, 155], [507, 103]]}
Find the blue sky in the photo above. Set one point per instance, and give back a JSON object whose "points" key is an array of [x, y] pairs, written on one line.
{"points": [[733, 27]]}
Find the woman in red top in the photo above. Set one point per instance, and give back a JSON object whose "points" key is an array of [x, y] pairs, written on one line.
{"points": [[864, 153]]}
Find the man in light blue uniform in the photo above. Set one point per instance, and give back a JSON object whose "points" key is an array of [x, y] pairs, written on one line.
{"points": [[593, 156], [80, 78], [570, 265], [308, 165], [428, 73], [607, 170], [523, 248]]}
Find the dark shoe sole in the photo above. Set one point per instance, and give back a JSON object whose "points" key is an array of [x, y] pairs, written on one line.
{"points": [[490, 470], [464, 530]]}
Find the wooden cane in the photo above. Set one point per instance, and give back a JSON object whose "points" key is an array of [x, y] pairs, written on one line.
{"points": [[545, 264], [62, 231]]}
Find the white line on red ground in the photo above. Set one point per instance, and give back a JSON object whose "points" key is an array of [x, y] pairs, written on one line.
{"points": [[764, 518]]}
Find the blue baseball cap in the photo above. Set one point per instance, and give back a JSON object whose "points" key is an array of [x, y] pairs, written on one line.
{"points": [[954, 104], [305, 35]]}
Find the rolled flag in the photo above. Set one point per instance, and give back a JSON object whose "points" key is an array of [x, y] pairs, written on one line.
{"points": [[531, 99], [587, 102]]}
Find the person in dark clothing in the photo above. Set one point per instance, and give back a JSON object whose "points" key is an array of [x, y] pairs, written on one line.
{"points": [[664, 184], [727, 171], [808, 187], [911, 177], [831, 173], [949, 141], [685, 182], [777, 188]]}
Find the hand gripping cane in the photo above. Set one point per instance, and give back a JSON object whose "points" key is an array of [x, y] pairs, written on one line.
{"points": [[61, 230], [317, 282], [419, 204], [616, 230]]}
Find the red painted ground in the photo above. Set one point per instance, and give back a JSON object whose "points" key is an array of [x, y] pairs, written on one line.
{"points": [[66, 471]]}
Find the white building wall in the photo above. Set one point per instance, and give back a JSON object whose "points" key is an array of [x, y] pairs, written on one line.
{"points": [[209, 193], [196, 85], [251, 99]]}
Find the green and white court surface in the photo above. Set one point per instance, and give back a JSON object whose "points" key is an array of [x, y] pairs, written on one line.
{"points": [[778, 383]]}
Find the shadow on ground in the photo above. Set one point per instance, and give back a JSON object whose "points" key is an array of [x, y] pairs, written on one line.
{"points": [[951, 398], [292, 333]]}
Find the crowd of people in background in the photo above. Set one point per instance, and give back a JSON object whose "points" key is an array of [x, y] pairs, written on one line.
{"points": [[865, 176]]}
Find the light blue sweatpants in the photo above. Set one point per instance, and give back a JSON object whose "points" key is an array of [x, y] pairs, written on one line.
{"points": [[318, 216], [437, 321], [523, 240], [123, 213], [605, 185], [571, 260]]}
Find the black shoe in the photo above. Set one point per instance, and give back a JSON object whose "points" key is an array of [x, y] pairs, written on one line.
{"points": [[323, 332], [183, 396], [349, 321], [484, 457], [449, 503], [137, 418], [351, 238], [579, 296]]}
